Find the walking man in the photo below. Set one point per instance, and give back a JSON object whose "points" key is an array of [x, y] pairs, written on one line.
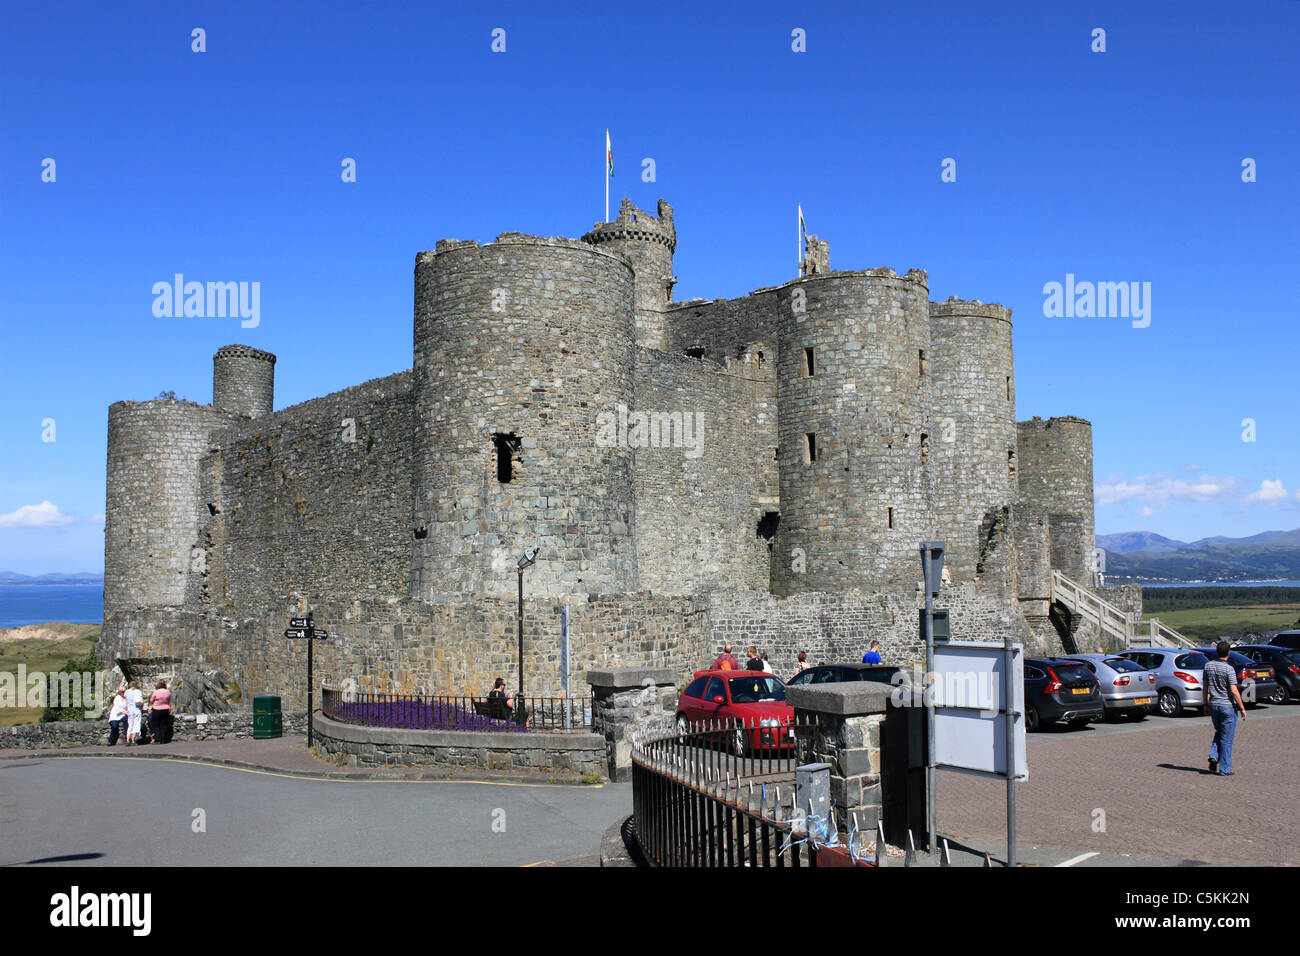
{"points": [[1223, 700], [724, 661], [872, 656]]}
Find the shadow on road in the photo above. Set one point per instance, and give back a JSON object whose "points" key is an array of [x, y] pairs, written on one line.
{"points": [[69, 858], [1173, 766]]}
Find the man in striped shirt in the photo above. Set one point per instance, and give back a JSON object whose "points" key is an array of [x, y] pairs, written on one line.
{"points": [[1223, 701]]}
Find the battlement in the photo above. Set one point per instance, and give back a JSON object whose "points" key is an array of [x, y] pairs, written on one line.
{"points": [[244, 351], [1039, 422], [637, 225], [445, 246], [955, 306]]}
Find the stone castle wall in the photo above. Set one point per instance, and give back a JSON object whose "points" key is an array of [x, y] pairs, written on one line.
{"points": [[152, 509], [530, 338], [316, 497], [698, 509], [396, 509]]}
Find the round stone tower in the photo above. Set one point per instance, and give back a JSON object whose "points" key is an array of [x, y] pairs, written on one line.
{"points": [[648, 244], [852, 401], [1055, 475], [243, 381], [152, 506], [523, 359], [972, 438]]}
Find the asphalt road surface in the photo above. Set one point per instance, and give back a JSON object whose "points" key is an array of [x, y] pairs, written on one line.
{"points": [[112, 812]]}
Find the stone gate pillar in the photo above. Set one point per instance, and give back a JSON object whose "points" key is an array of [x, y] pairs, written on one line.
{"points": [[624, 700]]}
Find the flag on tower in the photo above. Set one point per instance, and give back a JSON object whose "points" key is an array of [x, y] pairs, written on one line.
{"points": [[609, 154]]}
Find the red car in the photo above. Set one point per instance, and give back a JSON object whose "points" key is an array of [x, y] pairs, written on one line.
{"points": [[752, 702]]}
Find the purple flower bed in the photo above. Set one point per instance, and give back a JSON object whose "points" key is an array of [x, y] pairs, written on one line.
{"points": [[410, 714]]}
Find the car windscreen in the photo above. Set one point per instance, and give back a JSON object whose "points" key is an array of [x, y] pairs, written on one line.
{"points": [[1072, 672], [751, 690], [1123, 665], [1194, 661]]}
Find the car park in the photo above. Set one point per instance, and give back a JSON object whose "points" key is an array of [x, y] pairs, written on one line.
{"points": [[1249, 672], [1178, 674], [1060, 689], [1286, 668], [749, 704], [1127, 688]]}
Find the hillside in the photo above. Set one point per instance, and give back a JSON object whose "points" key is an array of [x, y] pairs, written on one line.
{"points": [[1270, 556]]}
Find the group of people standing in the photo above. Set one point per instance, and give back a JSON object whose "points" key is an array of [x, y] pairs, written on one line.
{"points": [[756, 662], [126, 714]]}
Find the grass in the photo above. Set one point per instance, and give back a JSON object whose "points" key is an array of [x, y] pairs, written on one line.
{"points": [[56, 645], [1203, 624]]}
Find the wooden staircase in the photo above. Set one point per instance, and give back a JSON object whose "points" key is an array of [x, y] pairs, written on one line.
{"points": [[1120, 626]]}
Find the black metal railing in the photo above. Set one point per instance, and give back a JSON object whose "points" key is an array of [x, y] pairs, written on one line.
{"points": [[448, 712], [715, 794]]}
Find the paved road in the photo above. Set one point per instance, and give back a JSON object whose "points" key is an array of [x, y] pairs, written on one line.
{"points": [[1155, 794], [113, 812]]}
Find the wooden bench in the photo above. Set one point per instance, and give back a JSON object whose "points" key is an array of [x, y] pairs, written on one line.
{"points": [[494, 708]]}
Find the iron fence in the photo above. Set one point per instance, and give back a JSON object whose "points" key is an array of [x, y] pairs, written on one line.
{"points": [[719, 794], [466, 712]]}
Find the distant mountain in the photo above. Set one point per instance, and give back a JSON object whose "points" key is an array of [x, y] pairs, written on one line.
{"points": [[1269, 556], [81, 577], [1128, 541]]}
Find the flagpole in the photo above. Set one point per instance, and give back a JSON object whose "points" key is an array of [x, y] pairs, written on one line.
{"points": [[605, 163], [798, 240]]}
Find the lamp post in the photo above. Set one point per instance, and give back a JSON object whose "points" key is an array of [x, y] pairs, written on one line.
{"points": [[526, 560]]}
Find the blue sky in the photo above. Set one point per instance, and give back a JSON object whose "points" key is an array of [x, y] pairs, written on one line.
{"points": [[225, 165]]}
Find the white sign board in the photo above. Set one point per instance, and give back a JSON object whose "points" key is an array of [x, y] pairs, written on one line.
{"points": [[972, 695]]}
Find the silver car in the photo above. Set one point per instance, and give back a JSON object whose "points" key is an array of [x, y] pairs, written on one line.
{"points": [[1127, 688], [1179, 678]]}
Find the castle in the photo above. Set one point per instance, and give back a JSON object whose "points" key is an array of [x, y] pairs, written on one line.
{"points": [[759, 469]]}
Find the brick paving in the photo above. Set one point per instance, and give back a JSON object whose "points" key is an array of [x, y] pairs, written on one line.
{"points": [[1158, 797]]}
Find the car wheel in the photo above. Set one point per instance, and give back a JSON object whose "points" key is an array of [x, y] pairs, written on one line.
{"points": [[683, 728], [1280, 696], [1170, 705], [740, 741], [1031, 719]]}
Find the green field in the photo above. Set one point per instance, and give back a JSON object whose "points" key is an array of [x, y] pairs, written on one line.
{"points": [[56, 645], [1207, 623]]}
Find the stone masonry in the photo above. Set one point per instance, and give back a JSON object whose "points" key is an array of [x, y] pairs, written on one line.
{"points": [[760, 469]]}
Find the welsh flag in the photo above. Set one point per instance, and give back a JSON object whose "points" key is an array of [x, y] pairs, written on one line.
{"points": [[609, 154], [802, 228]]}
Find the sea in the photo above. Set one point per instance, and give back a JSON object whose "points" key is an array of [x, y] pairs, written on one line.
{"points": [[41, 603], [1225, 584]]}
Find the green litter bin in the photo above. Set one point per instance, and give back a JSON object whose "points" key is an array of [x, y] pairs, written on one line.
{"points": [[267, 722]]}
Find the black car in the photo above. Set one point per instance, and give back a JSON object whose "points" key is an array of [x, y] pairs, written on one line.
{"points": [[1285, 664], [1288, 639], [1058, 689], [1249, 670], [835, 673]]}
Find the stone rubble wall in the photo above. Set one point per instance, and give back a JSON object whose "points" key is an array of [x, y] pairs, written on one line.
{"points": [[93, 733]]}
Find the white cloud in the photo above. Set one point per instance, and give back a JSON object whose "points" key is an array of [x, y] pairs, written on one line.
{"points": [[1157, 491], [44, 515], [1270, 492], [96, 519]]}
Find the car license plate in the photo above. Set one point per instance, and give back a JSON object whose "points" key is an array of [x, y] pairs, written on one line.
{"points": [[1142, 700], [1081, 690]]}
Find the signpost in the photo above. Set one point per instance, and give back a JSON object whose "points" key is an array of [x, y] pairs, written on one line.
{"points": [[932, 572], [564, 663], [303, 628]]}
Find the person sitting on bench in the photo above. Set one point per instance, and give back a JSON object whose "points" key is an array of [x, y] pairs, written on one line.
{"points": [[500, 700]]}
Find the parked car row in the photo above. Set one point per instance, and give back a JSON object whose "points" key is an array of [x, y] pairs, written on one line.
{"points": [[1076, 688]]}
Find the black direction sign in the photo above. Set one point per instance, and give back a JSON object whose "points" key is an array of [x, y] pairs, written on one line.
{"points": [[295, 632], [320, 635], [299, 622]]}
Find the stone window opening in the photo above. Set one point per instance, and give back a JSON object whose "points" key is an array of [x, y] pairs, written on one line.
{"points": [[925, 449], [891, 518], [696, 351], [809, 365], [1011, 463], [767, 526], [810, 448], [507, 449], [1008, 388], [921, 362], [762, 359]]}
